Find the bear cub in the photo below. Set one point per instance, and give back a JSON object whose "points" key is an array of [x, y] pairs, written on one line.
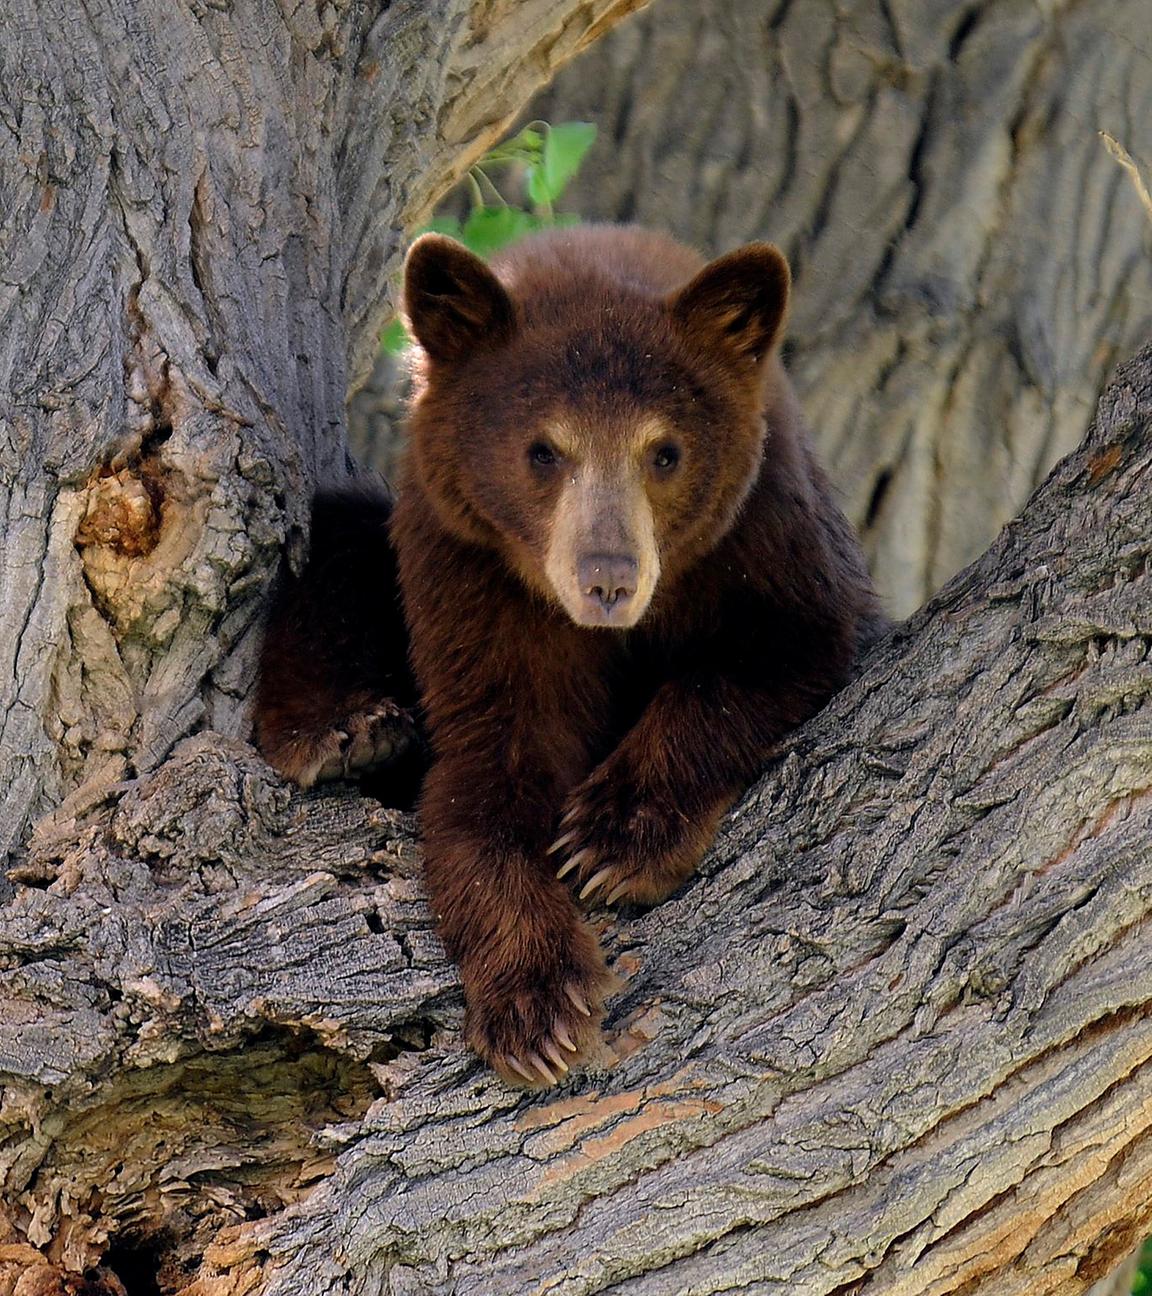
{"points": [[624, 579]]}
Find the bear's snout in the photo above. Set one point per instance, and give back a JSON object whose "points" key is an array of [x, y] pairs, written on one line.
{"points": [[608, 582]]}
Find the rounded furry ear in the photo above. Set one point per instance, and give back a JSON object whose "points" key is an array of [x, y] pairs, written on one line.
{"points": [[452, 302], [740, 299]]}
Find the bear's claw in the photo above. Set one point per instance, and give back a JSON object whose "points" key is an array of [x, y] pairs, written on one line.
{"points": [[533, 1022], [625, 841], [578, 1002], [597, 880], [581, 857], [376, 735]]}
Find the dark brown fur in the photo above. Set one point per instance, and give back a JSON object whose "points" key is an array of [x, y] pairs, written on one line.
{"points": [[335, 695], [609, 754], [628, 744]]}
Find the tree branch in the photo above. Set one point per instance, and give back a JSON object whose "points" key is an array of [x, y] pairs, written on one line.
{"points": [[894, 1039]]}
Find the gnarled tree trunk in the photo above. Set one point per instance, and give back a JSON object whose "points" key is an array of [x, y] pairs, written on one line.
{"points": [[894, 1039], [203, 207]]}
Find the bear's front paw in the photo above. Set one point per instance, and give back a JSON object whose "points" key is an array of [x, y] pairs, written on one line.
{"points": [[534, 1010], [620, 842], [377, 735]]}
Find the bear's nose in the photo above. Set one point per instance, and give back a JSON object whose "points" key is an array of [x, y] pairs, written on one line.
{"points": [[609, 579]]}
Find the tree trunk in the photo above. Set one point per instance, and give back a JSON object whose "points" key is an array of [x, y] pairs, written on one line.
{"points": [[203, 210], [970, 262], [894, 1039]]}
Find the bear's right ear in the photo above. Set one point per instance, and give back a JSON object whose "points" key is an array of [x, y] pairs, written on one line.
{"points": [[453, 303], [739, 300]]}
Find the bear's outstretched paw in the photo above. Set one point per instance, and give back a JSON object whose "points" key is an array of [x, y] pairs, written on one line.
{"points": [[534, 1020], [377, 735], [618, 844]]}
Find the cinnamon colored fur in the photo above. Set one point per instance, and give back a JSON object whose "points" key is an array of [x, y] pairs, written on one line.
{"points": [[624, 579]]}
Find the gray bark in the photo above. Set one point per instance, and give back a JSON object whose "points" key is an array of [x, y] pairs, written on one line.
{"points": [[970, 263], [894, 1039], [203, 209]]}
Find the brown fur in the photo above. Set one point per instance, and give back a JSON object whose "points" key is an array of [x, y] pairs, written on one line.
{"points": [[335, 696], [572, 730], [616, 749]]}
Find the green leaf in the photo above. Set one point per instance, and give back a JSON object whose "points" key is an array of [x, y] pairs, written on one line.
{"points": [[488, 229], [564, 150], [441, 225], [395, 339], [525, 146]]}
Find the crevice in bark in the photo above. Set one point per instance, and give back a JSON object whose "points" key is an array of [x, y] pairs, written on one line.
{"points": [[162, 1158], [137, 1259]]}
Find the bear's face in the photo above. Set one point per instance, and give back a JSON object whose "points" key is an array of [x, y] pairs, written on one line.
{"points": [[602, 438]]}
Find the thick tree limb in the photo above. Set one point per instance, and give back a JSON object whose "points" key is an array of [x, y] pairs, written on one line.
{"points": [[895, 1039]]}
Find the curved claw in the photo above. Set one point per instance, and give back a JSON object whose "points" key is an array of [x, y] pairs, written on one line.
{"points": [[538, 1062], [552, 1052], [560, 1032], [578, 1000], [596, 880], [574, 862], [561, 842], [516, 1065], [616, 892]]}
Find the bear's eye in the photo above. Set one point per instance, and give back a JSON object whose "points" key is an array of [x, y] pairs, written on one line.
{"points": [[666, 457], [542, 455]]}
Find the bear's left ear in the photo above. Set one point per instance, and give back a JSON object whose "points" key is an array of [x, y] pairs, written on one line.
{"points": [[453, 303], [740, 300]]}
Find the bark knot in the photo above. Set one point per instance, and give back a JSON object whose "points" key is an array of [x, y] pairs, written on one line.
{"points": [[123, 511]]}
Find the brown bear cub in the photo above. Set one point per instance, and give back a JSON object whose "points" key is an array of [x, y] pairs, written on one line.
{"points": [[624, 580]]}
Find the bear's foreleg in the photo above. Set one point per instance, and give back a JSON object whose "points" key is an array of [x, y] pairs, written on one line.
{"points": [[637, 826], [533, 972]]}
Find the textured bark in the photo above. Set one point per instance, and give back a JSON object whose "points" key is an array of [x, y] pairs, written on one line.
{"points": [[203, 208], [894, 1039], [970, 263]]}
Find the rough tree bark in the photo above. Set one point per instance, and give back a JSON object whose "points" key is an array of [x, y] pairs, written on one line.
{"points": [[203, 208], [970, 263], [894, 1039]]}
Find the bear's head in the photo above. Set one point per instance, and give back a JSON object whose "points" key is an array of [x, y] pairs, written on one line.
{"points": [[592, 405]]}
